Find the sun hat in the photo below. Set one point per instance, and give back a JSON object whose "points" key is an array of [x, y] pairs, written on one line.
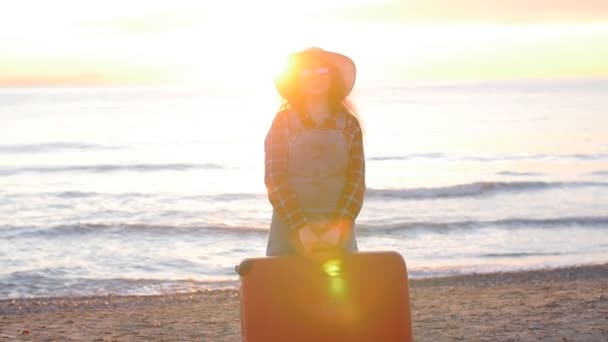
{"points": [[345, 66]]}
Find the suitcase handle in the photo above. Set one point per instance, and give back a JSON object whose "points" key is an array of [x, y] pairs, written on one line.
{"points": [[244, 267], [319, 257]]}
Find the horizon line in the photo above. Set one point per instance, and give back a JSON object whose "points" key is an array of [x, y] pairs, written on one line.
{"points": [[366, 83]]}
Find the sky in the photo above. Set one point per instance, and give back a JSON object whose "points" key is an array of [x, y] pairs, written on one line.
{"points": [[73, 43]]}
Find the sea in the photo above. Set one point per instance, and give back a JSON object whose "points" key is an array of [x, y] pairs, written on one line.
{"points": [[157, 190]]}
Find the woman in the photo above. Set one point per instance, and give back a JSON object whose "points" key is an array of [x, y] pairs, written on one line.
{"points": [[315, 167]]}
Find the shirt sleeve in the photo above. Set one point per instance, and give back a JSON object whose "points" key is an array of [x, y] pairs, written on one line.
{"points": [[351, 201], [280, 194]]}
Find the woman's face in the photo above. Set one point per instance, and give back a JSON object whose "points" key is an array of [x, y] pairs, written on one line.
{"points": [[314, 79]]}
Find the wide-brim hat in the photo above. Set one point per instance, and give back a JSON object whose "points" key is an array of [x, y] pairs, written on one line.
{"points": [[347, 71]]}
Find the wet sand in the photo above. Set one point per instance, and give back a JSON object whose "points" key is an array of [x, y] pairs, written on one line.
{"points": [[568, 304]]}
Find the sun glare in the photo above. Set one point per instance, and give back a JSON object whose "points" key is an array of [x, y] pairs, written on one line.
{"points": [[250, 44], [227, 43]]}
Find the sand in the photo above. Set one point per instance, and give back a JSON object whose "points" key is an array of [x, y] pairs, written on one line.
{"points": [[568, 304]]}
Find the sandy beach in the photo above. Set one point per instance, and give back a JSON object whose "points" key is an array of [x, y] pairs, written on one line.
{"points": [[568, 304]]}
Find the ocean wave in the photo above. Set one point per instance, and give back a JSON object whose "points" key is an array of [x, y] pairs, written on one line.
{"points": [[77, 194], [409, 156], [14, 232], [236, 197], [11, 232], [222, 197], [520, 174], [52, 147], [585, 221], [454, 191], [106, 168], [48, 283], [517, 255], [492, 158], [474, 189]]}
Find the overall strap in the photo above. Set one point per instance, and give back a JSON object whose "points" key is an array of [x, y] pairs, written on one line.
{"points": [[295, 124], [341, 121]]}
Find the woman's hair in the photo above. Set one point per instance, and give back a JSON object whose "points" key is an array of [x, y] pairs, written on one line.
{"points": [[295, 100]]}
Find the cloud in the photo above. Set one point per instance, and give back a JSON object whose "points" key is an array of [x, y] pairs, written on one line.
{"points": [[123, 41], [153, 22], [475, 11]]}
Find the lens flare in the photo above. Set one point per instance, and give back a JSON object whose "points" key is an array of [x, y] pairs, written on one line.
{"points": [[332, 267], [337, 286], [344, 307]]}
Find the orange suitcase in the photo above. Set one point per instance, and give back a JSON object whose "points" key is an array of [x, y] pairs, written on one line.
{"points": [[353, 297]]}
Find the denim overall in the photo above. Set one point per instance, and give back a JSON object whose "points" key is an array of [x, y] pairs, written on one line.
{"points": [[317, 170]]}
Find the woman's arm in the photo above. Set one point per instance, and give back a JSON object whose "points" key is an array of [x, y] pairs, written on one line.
{"points": [[280, 194], [351, 201]]}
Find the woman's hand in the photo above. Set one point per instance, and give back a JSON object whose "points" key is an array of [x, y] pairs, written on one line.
{"points": [[332, 236], [322, 236], [308, 238], [304, 240], [344, 230]]}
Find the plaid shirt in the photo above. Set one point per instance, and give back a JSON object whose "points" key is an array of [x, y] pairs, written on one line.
{"points": [[280, 194]]}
